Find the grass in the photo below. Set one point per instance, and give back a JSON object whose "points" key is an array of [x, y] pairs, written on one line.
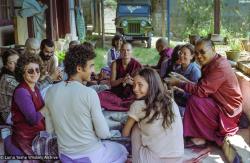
{"points": [[143, 55]]}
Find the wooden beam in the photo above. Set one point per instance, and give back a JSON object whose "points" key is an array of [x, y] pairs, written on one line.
{"points": [[51, 20], [99, 17], [217, 16], [103, 29], [163, 18], [30, 23]]}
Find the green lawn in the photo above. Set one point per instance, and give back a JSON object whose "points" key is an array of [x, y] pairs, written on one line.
{"points": [[143, 55]]}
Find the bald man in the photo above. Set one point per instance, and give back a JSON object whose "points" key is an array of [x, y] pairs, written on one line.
{"points": [[215, 103], [165, 54], [32, 46]]}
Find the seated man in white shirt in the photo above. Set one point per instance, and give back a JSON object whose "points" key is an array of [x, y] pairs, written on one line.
{"points": [[74, 114]]}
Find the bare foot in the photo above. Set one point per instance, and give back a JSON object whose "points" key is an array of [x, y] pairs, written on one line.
{"points": [[198, 141]]}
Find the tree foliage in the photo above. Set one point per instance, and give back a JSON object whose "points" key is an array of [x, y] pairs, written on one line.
{"points": [[197, 17]]}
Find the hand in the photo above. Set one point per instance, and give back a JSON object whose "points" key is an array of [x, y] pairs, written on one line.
{"points": [[57, 75], [173, 81], [43, 111], [130, 81], [177, 89], [178, 76], [127, 80]]}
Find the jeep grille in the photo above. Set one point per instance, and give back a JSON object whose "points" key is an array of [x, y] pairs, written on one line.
{"points": [[134, 27]]}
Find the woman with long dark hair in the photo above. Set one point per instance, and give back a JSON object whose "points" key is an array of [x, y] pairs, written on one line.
{"points": [[8, 84], [158, 134]]}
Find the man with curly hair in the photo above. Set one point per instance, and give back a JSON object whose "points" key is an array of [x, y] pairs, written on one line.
{"points": [[74, 114]]}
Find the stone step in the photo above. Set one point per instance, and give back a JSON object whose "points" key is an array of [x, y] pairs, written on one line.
{"points": [[216, 155], [236, 148]]}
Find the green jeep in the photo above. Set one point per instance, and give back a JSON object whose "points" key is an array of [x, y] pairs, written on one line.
{"points": [[133, 20]]}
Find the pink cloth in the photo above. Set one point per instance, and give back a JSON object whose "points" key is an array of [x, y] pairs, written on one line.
{"points": [[213, 110], [204, 119], [219, 82], [164, 54], [120, 97]]}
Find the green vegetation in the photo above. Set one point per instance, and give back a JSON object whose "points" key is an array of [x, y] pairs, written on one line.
{"points": [[100, 60], [235, 45], [110, 3], [60, 55], [197, 17], [192, 17]]}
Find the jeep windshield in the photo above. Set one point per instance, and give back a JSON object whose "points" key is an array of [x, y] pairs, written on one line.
{"points": [[135, 10]]}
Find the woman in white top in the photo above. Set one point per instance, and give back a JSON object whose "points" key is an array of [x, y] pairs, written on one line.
{"points": [[158, 135], [114, 52]]}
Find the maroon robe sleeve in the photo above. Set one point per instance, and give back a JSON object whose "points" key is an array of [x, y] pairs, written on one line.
{"points": [[208, 84]]}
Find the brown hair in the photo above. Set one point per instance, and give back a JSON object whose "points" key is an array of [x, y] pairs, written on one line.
{"points": [[157, 100], [78, 55], [116, 38], [23, 61], [190, 47]]}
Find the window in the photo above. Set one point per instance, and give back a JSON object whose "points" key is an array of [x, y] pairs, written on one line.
{"points": [[6, 12]]}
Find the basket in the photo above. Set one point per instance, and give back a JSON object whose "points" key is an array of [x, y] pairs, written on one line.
{"points": [[233, 55]]}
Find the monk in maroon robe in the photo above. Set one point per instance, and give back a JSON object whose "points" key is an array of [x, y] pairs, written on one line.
{"points": [[214, 109], [121, 95]]}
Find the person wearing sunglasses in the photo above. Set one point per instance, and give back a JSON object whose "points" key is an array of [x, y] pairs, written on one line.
{"points": [[27, 103], [215, 105], [8, 84]]}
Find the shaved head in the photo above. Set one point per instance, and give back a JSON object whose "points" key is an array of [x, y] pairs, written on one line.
{"points": [[162, 41], [161, 44], [32, 46]]}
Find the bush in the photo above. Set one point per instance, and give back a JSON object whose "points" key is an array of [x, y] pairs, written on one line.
{"points": [[110, 3]]}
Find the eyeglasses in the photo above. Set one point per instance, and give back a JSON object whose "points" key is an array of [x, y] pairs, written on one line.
{"points": [[32, 71], [12, 62]]}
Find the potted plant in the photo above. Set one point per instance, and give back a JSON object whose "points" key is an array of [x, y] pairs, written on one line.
{"points": [[246, 44], [235, 48]]}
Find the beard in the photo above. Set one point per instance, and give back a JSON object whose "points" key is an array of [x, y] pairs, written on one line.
{"points": [[45, 57]]}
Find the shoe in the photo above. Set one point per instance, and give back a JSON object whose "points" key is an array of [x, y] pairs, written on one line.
{"points": [[190, 144]]}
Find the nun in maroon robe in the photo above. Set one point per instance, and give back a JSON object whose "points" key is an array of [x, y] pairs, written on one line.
{"points": [[121, 96], [215, 105]]}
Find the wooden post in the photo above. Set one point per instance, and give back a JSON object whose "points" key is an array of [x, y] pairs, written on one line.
{"points": [[217, 16], [30, 27], [103, 28], [163, 18], [51, 20], [99, 16]]}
